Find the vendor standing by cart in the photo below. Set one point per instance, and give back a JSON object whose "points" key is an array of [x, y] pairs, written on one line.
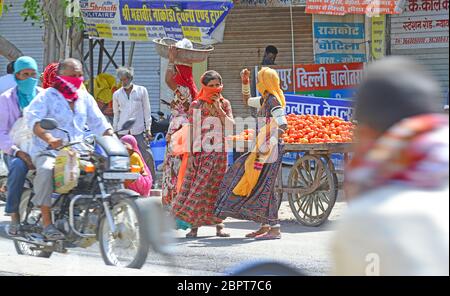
{"points": [[248, 190]]}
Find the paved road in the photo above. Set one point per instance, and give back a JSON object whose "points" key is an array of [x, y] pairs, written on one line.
{"points": [[302, 247]]}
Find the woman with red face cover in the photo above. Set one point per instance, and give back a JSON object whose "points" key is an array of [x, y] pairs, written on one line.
{"points": [[209, 114]]}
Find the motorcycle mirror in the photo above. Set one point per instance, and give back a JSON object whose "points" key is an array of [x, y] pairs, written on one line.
{"points": [[128, 124], [90, 139], [49, 124]]}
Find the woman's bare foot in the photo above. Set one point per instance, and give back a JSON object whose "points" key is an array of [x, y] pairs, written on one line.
{"points": [[274, 233], [193, 233], [220, 232]]}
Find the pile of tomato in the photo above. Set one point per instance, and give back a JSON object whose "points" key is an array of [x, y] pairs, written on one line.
{"points": [[311, 129], [246, 135]]}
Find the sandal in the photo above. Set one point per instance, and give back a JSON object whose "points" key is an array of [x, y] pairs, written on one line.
{"points": [[268, 236], [52, 233], [14, 229], [260, 231]]}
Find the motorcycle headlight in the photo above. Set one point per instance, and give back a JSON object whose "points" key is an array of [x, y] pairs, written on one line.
{"points": [[119, 163]]}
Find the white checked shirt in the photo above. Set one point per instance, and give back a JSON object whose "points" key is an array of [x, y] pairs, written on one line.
{"points": [[137, 105], [51, 104]]}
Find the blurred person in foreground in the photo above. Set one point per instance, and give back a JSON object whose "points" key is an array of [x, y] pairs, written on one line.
{"points": [[397, 222]]}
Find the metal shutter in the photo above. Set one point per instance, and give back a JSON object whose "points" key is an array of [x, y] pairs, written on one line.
{"points": [[247, 33], [436, 57], [146, 64], [28, 38]]}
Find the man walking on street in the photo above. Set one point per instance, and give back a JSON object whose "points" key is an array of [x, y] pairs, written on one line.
{"points": [[132, 101]]}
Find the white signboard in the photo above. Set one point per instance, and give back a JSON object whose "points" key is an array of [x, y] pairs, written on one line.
{"points": [[424, 24]]}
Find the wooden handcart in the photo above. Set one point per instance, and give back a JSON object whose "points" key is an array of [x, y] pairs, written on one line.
{"points": [[313, 183]]}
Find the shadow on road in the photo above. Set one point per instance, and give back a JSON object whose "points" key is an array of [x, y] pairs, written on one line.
{"points": [[212, 241], [3, 233], [286, 226]]}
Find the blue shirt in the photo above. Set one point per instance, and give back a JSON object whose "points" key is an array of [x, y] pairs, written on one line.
{"points": [[52, 104]]}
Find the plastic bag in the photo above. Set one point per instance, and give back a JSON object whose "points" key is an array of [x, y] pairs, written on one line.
{"points": [[185, 43], [3, 167], [67, 171], [21, 135]]}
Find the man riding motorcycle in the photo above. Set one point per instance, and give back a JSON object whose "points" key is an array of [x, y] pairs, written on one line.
{"points": [[74, 109]]}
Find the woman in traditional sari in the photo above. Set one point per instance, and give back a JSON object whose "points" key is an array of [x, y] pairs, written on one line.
{"points": [[195, 202], [247, 191], [180, 79], [143, 185]]}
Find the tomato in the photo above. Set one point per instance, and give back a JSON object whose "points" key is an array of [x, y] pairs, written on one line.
{"points": [[303, 141], [315, 129]]}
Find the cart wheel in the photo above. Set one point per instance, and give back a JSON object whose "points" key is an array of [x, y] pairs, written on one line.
{"points": [[317, 190]]}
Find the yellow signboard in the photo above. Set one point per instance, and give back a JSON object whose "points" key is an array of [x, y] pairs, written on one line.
{"points": [[137, 33], [1, 8], [378, 37], [104, 30], [192, 33]]}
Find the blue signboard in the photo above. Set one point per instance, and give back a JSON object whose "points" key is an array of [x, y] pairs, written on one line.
{"points": [[304, 105], [339, 42], [204, 14], [145, 20]]}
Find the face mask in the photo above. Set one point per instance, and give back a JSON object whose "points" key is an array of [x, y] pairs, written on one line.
{"points": [[27, 86], [75, 81], [128, 86]]}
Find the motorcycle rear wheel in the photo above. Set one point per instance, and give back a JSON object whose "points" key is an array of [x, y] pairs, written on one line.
{"points": [[130, 237], [23, 248]]}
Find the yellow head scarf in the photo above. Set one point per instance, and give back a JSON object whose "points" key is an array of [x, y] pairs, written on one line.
{"points": [[269, 81]]}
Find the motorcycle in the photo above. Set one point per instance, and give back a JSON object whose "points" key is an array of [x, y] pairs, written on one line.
{"points": [[160, 126], [99, 209]]}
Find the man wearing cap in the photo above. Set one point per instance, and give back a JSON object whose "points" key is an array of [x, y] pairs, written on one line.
{"points": [[12, 104]]}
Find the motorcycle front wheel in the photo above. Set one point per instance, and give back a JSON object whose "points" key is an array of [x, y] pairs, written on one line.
{"points": [[128, 247]]}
